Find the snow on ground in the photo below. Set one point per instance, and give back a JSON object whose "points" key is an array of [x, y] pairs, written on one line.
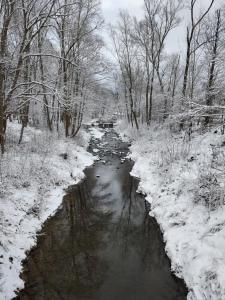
{"points": [[33, 177], [184, 182]]}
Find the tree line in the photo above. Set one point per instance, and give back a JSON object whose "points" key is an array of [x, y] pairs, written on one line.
{"points": [[50, 55], [186, 86]]}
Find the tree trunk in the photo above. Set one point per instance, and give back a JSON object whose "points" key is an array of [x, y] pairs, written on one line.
{"points": [[147, 91], [186, 70], [6, 19], [46, 107], [2, 110], [151, 96], [210, 89]]}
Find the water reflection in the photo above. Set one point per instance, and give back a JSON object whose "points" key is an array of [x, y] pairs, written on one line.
{"points": [[102, 244]]}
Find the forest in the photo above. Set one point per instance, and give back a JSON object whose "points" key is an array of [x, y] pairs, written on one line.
{"points": [[64, 67]]}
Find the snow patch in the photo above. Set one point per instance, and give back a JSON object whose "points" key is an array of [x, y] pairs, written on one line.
{"points": [[96, 133]]}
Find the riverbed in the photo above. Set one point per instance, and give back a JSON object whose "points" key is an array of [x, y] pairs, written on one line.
{"points": [[102, 244]]}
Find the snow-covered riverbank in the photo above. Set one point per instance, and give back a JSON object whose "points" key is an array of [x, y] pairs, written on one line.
{"points": [[184, 182], [33, 178]]}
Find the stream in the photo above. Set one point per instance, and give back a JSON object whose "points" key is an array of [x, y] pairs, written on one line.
{"points": [[102, 244]]}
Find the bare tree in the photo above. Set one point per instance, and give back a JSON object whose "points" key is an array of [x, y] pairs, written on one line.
{"points": [[7, 10], [210, 93], [191, 30], [75, 24], [126, 51], [151, 33]]}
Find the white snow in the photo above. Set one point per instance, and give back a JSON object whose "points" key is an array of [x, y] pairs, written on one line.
{"points": [[96, 132], [177, 177], [33, 178], [95, 150]]}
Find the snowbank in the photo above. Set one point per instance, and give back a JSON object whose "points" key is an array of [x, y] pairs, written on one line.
{"points": [[184, 182], [33, 178]]}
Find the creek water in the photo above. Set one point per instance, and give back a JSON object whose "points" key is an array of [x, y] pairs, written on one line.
{"points": [[102, 244]]}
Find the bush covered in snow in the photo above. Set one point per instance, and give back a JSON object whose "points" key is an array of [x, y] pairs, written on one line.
{"points": [[210, 192]]}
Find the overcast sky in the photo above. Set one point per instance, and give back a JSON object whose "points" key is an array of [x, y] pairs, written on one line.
{"points": [[112, 7], [176, 38]]}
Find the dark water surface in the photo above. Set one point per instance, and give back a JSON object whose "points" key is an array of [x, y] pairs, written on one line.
{"points": [[102, 244]]}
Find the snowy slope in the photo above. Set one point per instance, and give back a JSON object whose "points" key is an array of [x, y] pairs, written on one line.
{"points": [[33, 178], [184, 182]]}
